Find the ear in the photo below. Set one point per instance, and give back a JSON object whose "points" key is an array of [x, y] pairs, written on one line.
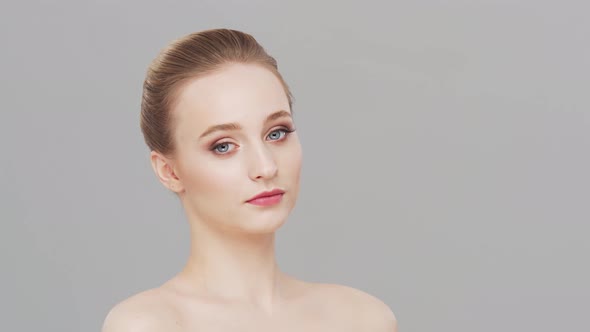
{"points": [[165, 171]]}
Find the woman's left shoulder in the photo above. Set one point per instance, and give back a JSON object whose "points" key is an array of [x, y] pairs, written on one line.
{"points": [[363, 307]]}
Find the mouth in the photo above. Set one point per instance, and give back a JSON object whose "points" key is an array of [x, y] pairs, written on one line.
{"points": [[267, 198]]}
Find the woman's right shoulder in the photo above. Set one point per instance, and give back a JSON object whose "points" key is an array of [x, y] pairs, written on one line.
{"points": [[147, 311]]}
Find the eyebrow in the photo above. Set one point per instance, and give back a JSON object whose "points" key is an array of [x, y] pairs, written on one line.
{"points": [[236, 126]]}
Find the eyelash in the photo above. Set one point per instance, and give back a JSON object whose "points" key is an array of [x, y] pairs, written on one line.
{"points": [[287, 130]]}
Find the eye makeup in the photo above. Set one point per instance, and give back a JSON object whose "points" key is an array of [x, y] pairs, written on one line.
{"points": [[287, 129]]}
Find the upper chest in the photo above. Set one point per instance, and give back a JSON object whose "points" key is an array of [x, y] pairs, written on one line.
{"points": [[310, 317]]}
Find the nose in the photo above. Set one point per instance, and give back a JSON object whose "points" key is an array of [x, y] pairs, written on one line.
{"points": [[263, 165]]}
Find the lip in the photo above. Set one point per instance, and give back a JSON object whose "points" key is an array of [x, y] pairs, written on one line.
{"points": [[267, 194]]}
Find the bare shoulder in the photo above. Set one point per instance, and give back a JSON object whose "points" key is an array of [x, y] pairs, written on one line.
{"points": [[148, 311], [363, 307]]}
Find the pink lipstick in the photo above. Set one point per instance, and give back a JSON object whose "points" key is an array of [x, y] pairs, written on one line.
{"points": [[267, 198]]}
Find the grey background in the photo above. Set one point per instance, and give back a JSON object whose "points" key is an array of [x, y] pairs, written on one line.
{"points": [[446, 156]]}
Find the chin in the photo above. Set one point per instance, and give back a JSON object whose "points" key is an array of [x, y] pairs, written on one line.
{"points": [[264, 223]]}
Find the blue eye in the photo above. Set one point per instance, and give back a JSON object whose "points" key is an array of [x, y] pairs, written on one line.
{"points": [[275, 137], [276, 134], [224, 146]]}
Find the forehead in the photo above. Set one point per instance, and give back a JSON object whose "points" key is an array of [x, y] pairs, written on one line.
{"points": [[235, 93]]}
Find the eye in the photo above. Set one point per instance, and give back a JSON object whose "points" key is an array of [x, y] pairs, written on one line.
{"points": [[222, 148], [275, 135]]}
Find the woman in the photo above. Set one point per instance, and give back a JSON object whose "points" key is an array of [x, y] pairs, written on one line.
{"points": [[216, 115]]}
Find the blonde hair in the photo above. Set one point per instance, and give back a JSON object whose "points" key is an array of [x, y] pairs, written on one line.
{"points": [[187, 58]]}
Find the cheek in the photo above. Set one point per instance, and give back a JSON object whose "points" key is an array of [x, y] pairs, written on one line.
{"points": [[210, 180], [291, 161], [290, 169]]}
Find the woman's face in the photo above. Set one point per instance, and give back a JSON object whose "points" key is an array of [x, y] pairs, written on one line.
{"points": [[231, 130]]}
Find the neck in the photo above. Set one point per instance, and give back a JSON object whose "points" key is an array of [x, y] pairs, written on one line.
{"points": [[235, 267]]}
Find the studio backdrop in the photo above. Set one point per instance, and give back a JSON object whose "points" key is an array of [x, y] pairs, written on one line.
{"points": [[446, 156]]}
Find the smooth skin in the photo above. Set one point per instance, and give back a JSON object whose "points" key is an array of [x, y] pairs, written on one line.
{"points": [[231, 281]]}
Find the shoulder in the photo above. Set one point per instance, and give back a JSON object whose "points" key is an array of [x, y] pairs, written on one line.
{"points": [[148, 311], [364, 308]]}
